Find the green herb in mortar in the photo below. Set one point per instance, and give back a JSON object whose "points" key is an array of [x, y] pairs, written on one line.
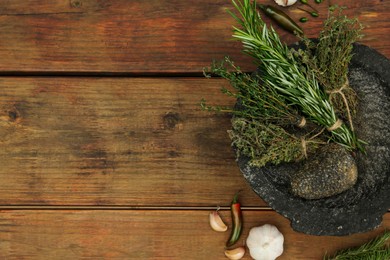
{"points": [[261, 112], [257, 101], [282, 96], [268, 143], [283, 72], [329, 59]]}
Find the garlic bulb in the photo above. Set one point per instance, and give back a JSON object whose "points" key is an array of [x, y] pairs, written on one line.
{"points": [[285, 2], [216, 222], [265, 242], [236, 253]]}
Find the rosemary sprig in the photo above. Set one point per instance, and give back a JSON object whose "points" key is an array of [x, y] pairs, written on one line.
{"points": [[282, 72], [373, 250]]}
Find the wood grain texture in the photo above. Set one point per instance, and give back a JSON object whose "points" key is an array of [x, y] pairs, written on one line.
{"points": [[86, 161], [83, 36], [116, 141], [141, 234]]}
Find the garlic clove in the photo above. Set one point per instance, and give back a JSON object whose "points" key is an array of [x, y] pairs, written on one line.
{"points": [[236, 253], [216, 222], [285, 2]]}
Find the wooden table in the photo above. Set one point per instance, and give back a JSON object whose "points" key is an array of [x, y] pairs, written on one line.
{"points": [[105, 152]]}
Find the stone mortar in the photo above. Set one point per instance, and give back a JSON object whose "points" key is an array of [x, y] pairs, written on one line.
{"points": [[360, 208]]}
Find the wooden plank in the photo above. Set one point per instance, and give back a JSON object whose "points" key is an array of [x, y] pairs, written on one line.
{"points": [[140, 36], [47, 234], [116, 141]]}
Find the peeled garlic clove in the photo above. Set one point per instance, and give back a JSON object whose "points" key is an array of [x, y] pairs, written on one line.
{"points": [[285, 2], [236, 253], [216, 222]]}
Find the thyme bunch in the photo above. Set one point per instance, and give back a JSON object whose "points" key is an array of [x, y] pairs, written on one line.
{"points": [[282, 72], [268, 143], [329, 59], [256, 100]]}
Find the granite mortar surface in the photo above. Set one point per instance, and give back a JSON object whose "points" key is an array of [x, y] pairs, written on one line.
{"points": [[360, 208]]}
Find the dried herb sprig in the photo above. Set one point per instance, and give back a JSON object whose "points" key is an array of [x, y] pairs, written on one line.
{"points": [[256, 100], [329, 59], [268, 143], [372, 250], [282, 72]]}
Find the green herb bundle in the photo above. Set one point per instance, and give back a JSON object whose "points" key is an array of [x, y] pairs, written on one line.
{"points": [[329, 59], [267, 142], [259, 117], [257, 101], [282, 94], [283, 72]]}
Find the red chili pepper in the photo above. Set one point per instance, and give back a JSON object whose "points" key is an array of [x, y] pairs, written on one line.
{"points": [[235, 209]]}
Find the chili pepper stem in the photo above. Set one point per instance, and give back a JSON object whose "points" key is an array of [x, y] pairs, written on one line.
{"points": [[235, 198], [306, 3], [314, 14], [303, 20]]}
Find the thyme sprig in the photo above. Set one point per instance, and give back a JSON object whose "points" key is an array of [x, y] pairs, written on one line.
{"points": [[372, 250], [282, 72], [256, 100], [268, 143]]}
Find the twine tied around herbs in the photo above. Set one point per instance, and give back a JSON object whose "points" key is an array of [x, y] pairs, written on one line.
{"points": [[335, 126], [304, 148], [339, 91], [302, 122], [304, 142]]}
